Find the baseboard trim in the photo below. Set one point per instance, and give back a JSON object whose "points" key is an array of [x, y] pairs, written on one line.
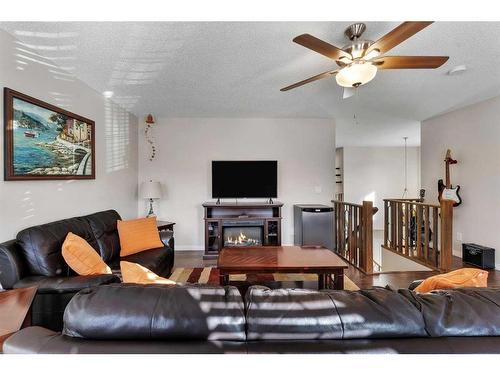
{"points": [[189, 247]]}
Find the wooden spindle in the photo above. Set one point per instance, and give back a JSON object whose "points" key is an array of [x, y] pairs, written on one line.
{"points": [[407, 228], [337, 227], [426, 233], [419, 231], [342, 230], [393, 225], [355, 237], [386, 223], [351, 230], [435, 236], [400, 227]]}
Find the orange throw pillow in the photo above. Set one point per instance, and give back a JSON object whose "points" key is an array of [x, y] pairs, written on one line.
{"points": [[138, 235], [82, 258], [137, 274], [461, 278]]}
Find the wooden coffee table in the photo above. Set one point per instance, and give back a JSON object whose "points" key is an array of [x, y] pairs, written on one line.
{"points": [[283, 259]]}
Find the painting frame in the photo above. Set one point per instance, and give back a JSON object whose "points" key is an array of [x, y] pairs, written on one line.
{"points": [[10, 173]]}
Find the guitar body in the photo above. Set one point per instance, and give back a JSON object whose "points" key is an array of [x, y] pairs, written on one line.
{"points": [[452, 195], [447, 191]]}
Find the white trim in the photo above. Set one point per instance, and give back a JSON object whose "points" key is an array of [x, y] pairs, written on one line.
{"points": [[189, 247]]}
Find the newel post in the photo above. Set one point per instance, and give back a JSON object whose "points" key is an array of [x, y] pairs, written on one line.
{"points": [[446, 234], [367, 224]]}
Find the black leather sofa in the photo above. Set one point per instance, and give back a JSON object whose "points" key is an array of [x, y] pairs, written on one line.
{"points": [[129, 318], [34, 259]]}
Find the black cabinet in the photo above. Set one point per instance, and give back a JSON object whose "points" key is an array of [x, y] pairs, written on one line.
{"points": [[483, 257]]}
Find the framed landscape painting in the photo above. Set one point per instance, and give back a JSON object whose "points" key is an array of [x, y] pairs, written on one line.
{"points": [[44, 142]]}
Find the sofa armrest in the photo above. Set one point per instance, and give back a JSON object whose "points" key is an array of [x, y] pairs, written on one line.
{"points": [[167, 237], [12, 266], [54, 293], [66, 284]]}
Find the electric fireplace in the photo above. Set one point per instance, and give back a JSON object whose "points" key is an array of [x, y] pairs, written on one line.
{"points": [[241, 234]]}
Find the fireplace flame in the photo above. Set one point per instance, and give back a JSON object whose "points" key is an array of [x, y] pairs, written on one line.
{"points": [[241, 239]]}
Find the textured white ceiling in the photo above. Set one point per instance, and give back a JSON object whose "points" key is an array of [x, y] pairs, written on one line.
{"points": [[219, 69]]}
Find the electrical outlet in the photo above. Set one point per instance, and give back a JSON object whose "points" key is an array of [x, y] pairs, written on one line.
{"points": [[459, 236]]}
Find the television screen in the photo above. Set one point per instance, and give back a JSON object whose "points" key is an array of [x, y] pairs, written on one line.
{"points": [[245, 179]]}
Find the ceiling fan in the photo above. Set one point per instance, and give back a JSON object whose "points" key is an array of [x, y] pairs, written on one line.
{"points": [[360, 60]]}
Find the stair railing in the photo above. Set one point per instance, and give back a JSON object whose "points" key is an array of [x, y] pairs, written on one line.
{"points": [[420, 231], [354, 233]]}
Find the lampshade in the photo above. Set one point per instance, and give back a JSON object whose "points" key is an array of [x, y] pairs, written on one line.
{"points": [[356, 74], [151, 190]]}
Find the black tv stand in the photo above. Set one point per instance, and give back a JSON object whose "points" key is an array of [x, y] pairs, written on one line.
{"points": [[270, 201], [218, 201]]}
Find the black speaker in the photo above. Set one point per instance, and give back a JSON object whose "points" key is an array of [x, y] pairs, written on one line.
{"points": [[483, 257]]}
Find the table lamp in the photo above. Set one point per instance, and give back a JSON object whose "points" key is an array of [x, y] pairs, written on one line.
{"points": [[151, 190]]}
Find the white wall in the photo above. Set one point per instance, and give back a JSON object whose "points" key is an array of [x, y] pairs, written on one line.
{"points": [[27, 203], [304, 148], [376, 173], [473, 135], [339, 165]]}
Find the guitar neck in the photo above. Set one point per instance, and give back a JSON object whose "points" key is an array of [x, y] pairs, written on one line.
{"points": [[448, 182]]}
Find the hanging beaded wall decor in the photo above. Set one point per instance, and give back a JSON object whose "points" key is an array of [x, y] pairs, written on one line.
{"points": [[150, 137]]}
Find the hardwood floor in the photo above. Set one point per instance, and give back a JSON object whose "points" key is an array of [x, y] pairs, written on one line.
{"points": [[396, 280]]}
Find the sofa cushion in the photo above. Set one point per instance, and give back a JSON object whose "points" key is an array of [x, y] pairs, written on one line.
{"points": [[461, 278], [70, 284], [82, 258], [138, 235], [295, 314], [307, 314], [103, 226], [459, 312], [158, 261], [377, 313], [41, 245], [166, 312], [136, 274], [39, 340]]}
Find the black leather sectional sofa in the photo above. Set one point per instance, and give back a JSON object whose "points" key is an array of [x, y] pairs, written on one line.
{"points": [[129, 318], [34, 259]]}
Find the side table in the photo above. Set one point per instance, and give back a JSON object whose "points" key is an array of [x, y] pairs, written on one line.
{"points": [[15, 313], [165, 225]]}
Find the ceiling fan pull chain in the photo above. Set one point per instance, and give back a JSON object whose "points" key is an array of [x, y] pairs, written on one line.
{"points": [[356, 103]]}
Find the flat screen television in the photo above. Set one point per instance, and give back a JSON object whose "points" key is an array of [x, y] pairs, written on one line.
{"points": [[245, 179]]}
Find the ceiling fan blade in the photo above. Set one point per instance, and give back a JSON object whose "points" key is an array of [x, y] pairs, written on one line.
{"points": [[320, 46], [308, 80], [397, 36], [409, 62]]}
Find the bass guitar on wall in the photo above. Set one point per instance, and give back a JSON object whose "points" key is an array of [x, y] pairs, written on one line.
{"points": [[447, 191]]}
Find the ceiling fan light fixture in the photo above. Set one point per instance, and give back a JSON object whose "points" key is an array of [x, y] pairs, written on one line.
{"points": [[372, 54], [356, 74], [357, 52]]}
